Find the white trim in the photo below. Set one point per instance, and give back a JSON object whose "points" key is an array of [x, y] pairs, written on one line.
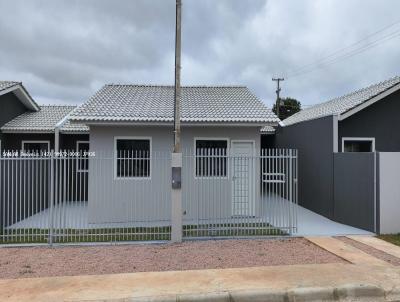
{"points": [[74, 132], [369, 102], [22, 94], [27, 131], [35, 142], [115, 156], [170, 123], [363, 139], [77, 162], [202, 138], [335, 133]]}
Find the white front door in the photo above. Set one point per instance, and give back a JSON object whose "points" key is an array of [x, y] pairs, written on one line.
{"points": [[243, 182]]}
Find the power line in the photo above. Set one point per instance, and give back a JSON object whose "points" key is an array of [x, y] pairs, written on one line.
{"points": [[348, 55], [342, 53]]}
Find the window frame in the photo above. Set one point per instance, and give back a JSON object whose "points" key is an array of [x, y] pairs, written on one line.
{"points": [[78, 159], [195, 139], [35, 142], [359, 139], [116, 138]]}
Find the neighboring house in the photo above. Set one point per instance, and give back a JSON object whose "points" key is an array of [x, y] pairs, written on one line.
{"points": [[24, 125], [364, 121], [14, 100], [130, 121]]}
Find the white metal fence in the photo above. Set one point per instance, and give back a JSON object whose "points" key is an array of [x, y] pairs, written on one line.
{"points": [[70, 197], [240, 195]]}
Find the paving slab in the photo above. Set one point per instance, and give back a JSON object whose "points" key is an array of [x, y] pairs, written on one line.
{"points": [[378, 244], [345, 251], [281, 281]]}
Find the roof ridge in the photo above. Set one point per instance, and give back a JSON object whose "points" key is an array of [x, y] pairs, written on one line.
{"points": [[172, 86], [7, 81], [57, 105]]}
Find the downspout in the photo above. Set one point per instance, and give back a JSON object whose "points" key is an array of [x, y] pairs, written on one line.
{"points": [[57, 132]]}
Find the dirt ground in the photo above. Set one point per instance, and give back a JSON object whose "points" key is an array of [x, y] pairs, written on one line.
{"points": [[28, 262]]}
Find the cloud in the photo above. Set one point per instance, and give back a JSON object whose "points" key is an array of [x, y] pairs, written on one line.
{"points": [[64, 51]]}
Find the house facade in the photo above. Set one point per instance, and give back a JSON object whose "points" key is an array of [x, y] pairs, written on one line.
{"points": [[132, 127]]}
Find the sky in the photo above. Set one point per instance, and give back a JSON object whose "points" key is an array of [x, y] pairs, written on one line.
{"points": [[64, 51]]}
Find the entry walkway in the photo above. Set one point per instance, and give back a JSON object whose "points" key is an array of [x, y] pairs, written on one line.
{"points": [[310, 223]]}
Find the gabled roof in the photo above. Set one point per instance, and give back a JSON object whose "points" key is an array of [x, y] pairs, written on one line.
{"points": [[19, 90], [43, 121], [200, 104], [344, 104]]}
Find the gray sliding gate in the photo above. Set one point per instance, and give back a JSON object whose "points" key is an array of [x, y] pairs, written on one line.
{"points": [[355, 190]]}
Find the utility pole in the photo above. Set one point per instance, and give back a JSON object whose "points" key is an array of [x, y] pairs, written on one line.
{"points": [[177, 94], [278, 90], [176, 158]]}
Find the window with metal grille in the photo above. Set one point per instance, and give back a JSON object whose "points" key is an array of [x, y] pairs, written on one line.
{"points": [[133, 158], [211, 158], [35, 146]]}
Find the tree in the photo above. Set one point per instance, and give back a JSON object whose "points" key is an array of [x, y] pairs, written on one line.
{"points": [[288, 107]]}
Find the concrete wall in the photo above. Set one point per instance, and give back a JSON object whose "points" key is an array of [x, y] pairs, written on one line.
{"points": [[354, 189], [115, 200], [389, 192], [380, 120], [314, 141]]}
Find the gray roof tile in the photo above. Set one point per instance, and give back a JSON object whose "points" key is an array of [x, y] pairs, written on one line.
{"points": [[146, 103], [342, 104], [7, 84], [43, 120], [69, 127], [267, 129]]}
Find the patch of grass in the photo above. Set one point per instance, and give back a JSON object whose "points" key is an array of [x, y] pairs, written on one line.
{"points": [[392, 238], [162, 233], [16, 236], [232, 230]]}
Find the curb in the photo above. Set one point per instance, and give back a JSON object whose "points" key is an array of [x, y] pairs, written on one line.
{"points": [[351, 292]]}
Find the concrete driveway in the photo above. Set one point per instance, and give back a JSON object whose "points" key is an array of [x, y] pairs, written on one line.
{"points": [[312, 224]]}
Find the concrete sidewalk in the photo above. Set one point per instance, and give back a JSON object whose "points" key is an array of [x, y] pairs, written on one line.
{"points": [[360, 280]]}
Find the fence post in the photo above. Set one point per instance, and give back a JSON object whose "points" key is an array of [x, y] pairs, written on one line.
{"points": [[51, 198], [176, 198]]}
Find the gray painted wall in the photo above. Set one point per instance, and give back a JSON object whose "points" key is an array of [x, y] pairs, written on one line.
{"points": [[314, 142], [354, 189], [11, 107], [13, 141], [116, 200], [380, 120], [389, 192]]}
